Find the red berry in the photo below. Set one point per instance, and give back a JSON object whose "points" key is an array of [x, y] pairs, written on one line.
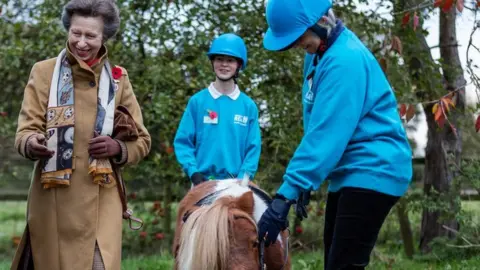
{"points": [[155, 222], [133, 195], [298, 229], [4, 114], [159, 236], [143, 235], [169, 150]]}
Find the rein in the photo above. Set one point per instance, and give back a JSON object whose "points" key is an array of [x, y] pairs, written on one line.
{"points": [[261, 247], [261, 252]]}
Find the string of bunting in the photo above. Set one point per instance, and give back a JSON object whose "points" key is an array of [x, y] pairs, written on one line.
{"points": [[446, 103]]}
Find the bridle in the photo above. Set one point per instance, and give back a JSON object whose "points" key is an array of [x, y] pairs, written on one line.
{"points": [[261, 252], [209, 198]]}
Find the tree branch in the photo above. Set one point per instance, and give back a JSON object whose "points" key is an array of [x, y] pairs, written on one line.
{"points": [[445, 46], [423, 5], [444, 96], [8, 20], [417, 7], [464, 246], [469, 244], [475, 78]]}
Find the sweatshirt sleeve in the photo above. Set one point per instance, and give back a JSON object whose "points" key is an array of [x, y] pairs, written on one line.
{"points": [[252, 147], [335, 115], [184, 142]]}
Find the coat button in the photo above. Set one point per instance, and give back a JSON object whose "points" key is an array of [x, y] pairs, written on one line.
{"points": [[92, 84]]}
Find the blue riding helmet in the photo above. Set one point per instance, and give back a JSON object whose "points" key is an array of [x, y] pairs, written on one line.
{"points": [[288, 19], [231, 45]]}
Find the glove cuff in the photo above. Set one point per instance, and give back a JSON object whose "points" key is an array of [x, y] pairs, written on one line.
{"points": [[283, 198], [281, 208]]}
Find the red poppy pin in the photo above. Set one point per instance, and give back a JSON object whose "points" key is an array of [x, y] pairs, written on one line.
{"points": [[116, 73], [212, 114]]}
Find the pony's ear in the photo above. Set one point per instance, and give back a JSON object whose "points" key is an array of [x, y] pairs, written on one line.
{"points": [[245, 202]]}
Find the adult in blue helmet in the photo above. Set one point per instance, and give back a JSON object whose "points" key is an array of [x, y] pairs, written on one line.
{"points": [[353, 135], [219, 134]]}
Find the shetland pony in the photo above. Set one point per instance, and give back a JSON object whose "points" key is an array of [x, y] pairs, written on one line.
{"points": [[216, 229]]}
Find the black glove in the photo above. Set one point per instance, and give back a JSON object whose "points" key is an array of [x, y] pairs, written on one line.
{"points": [[274, 220], [301, 206], [197, 178]]}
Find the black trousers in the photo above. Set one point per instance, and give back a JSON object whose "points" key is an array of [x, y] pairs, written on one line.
{"points": [[353, 219]]}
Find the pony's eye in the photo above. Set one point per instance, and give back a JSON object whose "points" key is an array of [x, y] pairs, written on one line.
{"points": [[255, 244]]}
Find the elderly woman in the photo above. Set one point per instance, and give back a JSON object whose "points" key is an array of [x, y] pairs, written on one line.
{"points": [[66, 125]]}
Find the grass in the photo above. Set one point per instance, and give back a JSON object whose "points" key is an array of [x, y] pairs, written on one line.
{"points": [[472, 207], [313, 261], [148, 263], [381, 260], [385, 256], [12, 218]]}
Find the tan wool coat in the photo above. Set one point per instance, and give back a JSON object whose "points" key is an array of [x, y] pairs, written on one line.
{"points": [[64, 223]]}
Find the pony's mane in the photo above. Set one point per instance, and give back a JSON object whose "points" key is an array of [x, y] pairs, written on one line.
{"points": [[204, 239], [245, 180]]}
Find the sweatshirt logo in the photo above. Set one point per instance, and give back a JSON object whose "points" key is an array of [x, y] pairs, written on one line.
{"points": [[240, 120], [309, 95]]}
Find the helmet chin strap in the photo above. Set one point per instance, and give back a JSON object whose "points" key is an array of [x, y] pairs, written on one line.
{"points": [[320, 31]]}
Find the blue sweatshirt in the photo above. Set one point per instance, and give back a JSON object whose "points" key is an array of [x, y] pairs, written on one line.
{"points": [[353, 136], [219, 147]]}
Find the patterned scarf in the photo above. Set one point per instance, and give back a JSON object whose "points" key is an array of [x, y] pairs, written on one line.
{"points": [[57, 170]]}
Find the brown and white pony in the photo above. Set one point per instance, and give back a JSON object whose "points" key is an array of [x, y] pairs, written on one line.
{"points": [[216, 229]]}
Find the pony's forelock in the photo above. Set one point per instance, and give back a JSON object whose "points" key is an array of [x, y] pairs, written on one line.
{"points": [[204, 239]]}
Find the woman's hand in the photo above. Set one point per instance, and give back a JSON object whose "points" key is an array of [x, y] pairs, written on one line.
{"points": [[36, 148], [103, 147], [274, 220]]}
